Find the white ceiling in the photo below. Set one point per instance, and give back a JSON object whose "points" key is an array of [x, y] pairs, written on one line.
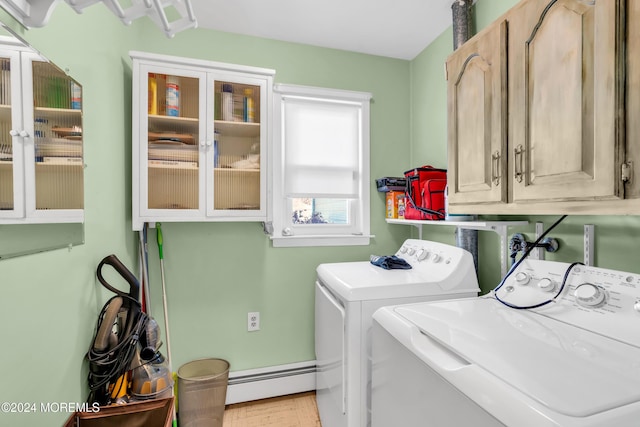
{"points": [[392, 28]]}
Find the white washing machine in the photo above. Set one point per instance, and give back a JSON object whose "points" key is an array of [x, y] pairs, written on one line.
{"points": [[347, 295], [574, 361]]}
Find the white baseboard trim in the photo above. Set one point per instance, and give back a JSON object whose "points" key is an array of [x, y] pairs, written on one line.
{"points": [[271, 381]]}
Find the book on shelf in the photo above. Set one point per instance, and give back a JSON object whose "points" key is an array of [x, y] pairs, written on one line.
{"points": [[60, 160], [172, 164]]}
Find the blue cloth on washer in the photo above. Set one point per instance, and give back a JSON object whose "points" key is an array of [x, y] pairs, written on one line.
{"points": [[391, 262]]}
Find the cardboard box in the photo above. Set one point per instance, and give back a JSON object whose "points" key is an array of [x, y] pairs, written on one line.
{"points": [[395, 204], [156, 412]]}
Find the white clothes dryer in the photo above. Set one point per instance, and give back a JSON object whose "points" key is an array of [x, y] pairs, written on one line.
{"points": [[347, 295], [571, 358]]}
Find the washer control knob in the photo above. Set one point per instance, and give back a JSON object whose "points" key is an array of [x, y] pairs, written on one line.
{"points": [[546, 285], [522, 278], [412, 251], [422, 254], [403, 249], [436, 258], [636, 305], [589, 295]]}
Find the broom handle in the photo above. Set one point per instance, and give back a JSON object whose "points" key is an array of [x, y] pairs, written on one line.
{"points": [[164, 305], [164, 292]]}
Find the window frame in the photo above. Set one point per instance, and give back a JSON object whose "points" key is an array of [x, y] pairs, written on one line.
{"points": [[284, 233]]}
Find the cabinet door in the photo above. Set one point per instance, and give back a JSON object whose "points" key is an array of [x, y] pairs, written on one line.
{"points": [[172, 143], [54, 165], [11, 142], [476, 87], [563, 100], [236, 183], [633, 97]]}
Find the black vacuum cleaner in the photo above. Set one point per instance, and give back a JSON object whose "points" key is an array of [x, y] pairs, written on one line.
{"points": [[125, 349]]}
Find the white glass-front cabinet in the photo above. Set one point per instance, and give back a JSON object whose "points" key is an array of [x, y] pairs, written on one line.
{"points": [[199, 140], [41, 163]]}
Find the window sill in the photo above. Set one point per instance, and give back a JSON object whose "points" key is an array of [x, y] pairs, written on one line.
{"points": [[319, 240]]}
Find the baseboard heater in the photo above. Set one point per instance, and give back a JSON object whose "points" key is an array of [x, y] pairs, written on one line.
{"points": [[271, 381]]}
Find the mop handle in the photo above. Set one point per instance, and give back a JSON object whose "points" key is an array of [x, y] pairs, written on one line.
{"points": [[160, 240]]}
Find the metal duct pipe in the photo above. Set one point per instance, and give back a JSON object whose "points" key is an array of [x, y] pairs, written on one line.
{"points": [[462, 25], [468, 240], [462, 31]]}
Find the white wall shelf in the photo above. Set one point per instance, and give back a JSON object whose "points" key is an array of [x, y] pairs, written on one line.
{"points": [[499, 227]]}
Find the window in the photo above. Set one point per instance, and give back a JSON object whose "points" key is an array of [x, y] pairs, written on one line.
{"points": [[321, 167]]}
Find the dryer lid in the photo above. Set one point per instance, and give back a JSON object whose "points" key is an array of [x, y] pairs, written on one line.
{"points": [[567, 369]]}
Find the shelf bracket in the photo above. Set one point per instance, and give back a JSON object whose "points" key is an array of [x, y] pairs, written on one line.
{"points": [[419, 227], [589, 244], [538, 253]]}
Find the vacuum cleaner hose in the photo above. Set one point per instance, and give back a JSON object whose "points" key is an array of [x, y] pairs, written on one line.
{"points": [[150, 340]]}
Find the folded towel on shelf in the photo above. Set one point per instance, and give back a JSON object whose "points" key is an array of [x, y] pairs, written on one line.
{"points": [[391, 262], [252, 161]]}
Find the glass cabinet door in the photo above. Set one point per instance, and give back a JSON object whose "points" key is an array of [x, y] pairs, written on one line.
{"points": [[57, 157], [237, 173], [175, 136], [11, 150]]}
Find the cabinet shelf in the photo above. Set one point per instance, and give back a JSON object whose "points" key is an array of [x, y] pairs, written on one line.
{"points": [[188, 124], [171, 119], [170, 164], [233, 170], [60, 164], [57, 111], [45, 112], [242, 129], [498, 227]]}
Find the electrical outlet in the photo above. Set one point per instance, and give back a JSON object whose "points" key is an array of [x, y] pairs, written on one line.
{"points": [[253, 321]]}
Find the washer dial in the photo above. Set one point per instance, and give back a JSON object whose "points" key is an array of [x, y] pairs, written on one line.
{"points": [[422, 254], [547, 285], [590, 295], [522, 278]]}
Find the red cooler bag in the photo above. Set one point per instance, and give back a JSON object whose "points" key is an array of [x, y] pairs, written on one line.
{"points": [[425, 193]]}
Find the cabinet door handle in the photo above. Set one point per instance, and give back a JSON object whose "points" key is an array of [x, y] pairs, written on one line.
{"points": [[518, 167], [22, 133], [495, 168]]}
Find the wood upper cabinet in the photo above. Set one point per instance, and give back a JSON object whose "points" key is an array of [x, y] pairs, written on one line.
{"points": [[564, 100], [476, 85], [564, 139]]}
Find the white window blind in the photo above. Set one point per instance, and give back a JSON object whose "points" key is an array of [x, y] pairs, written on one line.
{"points": [[320, 167], [321, 157]]}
